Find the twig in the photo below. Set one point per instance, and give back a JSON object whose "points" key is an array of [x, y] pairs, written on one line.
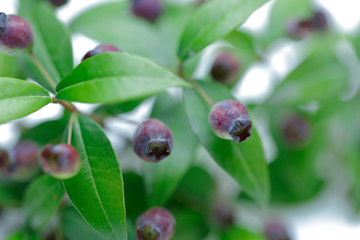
{"points": [[43, 70]]}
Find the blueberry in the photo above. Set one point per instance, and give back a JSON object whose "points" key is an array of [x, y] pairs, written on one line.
{"points": [[295, 130], [299, 29], [319, 21], [276, 231], [155, 224], [225, 67], [100, 49], [15, 34], [25, 160], [61, 161], [58, 3], [229, 119], [147, 9], [153, 141]]}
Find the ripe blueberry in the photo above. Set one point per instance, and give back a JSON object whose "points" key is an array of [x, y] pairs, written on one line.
{"points": [[100, 49], [225, 67], [229, 119], [25, 160], [58, 3], [276, 231], [295, 130], [153, 140], [5, 164], [61, 161], [319, 21], [155, 224], [15, 33], [299, 29], [147, 9]]}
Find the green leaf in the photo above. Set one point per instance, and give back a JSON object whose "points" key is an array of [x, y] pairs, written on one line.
{"points": [[23, 236], [75, 228], [245, 161], [115, 77], [42, 199], [241, 233], [97, 191], [212, 21], [114, 109], [11, 193], [52, 44], [157, 41], [161, 182], [10, 67], [19, 98]]}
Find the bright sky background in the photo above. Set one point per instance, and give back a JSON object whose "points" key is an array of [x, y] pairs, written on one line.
{"points": [[325, 217]]}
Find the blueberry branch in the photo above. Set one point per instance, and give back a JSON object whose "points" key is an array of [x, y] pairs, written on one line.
{"points": [[42, 70]]}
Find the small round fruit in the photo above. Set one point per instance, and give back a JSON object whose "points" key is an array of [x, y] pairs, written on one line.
{"points": [[5, 164], [295, 130], [153, 140], [147, 9], [16, 34], [58, 3], [26, 159], [299, 29], [100, 49], [276, 231], [223, 215], [229, 119], [320, 21], [225, 67], [61, 161], [155, 224]]}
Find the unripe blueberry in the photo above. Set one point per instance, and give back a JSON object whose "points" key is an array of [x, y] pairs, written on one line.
{"points": [[25, 160], [299, 29], [5, 163], [229, 119], [225, 67], [153, 140], [155, 224], [147, 9], [276, 231], [15, 33], [295, 130], [58, 3], [319, 21], [100, 49], [61, 161]]}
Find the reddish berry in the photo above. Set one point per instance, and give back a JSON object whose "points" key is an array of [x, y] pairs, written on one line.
{"points": [[58, 3], [100, 49], [61, 161], [276, 231], [153, 141], [155, 224], [225, 68], [319, 21], [147, 9], [25, 159], [15, 33], [295, 130], [229, 119], [5, 164], [299, 29]]}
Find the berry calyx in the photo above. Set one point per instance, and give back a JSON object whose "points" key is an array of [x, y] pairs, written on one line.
{"points": [[229, 119], [155, 224], [16, 34], [61, 161], [100, 49], [225, 67], [149, 10], [153, 141]]}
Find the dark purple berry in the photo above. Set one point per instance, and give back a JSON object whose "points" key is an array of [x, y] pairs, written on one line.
{"points": [[319, 21], [100, 49], [147, 9], [229, 119], [200, 2], [58, 3], [225, 68], [276, 231], [155, 224], [5, 163], [15, 33], [295, 130], [299, 29], [61, 161], [223, 215], [25, 160], [153, 141]]}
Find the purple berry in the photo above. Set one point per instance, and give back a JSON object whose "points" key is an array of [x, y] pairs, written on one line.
{"points": [[61, 161], [15, 33], [155, 224], [295, 130], [229, 119], [153, 141], [58, 3], [25, 160], [225, 68], [5, 164], [319, 21], [147, 9], [299, 29], [276, 231], [100, 49]]}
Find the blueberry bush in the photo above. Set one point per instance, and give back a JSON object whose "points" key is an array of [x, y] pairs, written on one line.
{"points": [[67, 181]]}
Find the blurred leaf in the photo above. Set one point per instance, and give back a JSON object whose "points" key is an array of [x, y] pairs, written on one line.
{"points": [[162, 178], [75, 228], [19, 98], [135, 195], [114, 109], [237, 233], [42, 200], [157, 41], [23, 236], [97, 190], [212, 21], [52, 44], [115, 77], [11, 193], [131, 230], [9, 66], [245, 161]]}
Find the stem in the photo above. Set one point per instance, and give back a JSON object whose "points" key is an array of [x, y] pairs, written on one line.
{"points": [[71, 125], [43, 70]]}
